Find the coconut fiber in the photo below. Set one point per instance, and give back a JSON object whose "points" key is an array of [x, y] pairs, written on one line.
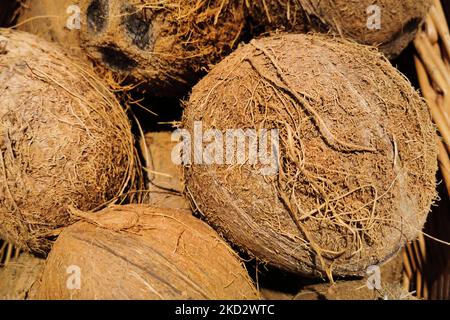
{"points": [[357, 154], [64, 141]]}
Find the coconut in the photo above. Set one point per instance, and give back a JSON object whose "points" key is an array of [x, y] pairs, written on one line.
{"points": [[389, 24], [57, 21], [164, 176], [399, 20], [64, 141], [142, 252], [19, 276], [350, 176], [288, 287], [163, 45]]}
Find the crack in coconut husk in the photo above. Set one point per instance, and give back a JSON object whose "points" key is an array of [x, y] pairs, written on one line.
{"points": [[66, 141], [346, 196]]}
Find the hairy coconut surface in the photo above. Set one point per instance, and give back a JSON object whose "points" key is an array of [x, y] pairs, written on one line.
{"points": [[399, 20], [64, 141], [57, 21], [163, 44], [357, 154], [164, 176], [9, 10], [283, 15], [17, 279], [142, 252]]}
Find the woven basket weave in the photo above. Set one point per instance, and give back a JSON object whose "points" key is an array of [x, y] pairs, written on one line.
{"points": [[427, 261]]}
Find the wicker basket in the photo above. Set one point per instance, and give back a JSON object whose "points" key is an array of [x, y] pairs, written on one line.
{"points": [[427, 260]]}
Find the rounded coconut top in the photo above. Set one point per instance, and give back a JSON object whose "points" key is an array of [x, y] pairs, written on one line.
{"points": [[355, 162], [389, 24], [64, 141], [142, 252]]}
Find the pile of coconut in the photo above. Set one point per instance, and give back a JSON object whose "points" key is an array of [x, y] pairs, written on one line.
{"points": [[302, 151]]}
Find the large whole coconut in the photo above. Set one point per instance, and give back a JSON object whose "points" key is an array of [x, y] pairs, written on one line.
{"points": [[57, 21], [64, 141], [163, 44], [142, 252], [389, 24], [356, 154]]}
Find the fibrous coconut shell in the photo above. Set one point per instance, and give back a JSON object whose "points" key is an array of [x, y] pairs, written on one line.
{"points": [[64, 141], [358, 20], [356, 158], [162, 45], [388, 24]]}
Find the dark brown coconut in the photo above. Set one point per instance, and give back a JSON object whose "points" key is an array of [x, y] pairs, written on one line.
{"points": [[282, 15], [162, 44], [357, 154], [54, 21], [64, 141], [141, 252], [17, 279], [399, 21]]}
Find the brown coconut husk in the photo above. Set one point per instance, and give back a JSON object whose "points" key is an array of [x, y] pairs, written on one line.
{"points": [[64, 141], [164, 177], [400, 21], [357, 155], [48, 19], [142, 252], [277, 15], [17, 279], [391, 276], [353, 290], [162, 44]]}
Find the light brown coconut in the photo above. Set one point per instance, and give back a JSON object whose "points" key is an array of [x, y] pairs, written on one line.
{"points": [[17, 279], [400, 21], [164, 176], [54, 21], [357, 154], [163, 45], [64, 141], [141, 252]]}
